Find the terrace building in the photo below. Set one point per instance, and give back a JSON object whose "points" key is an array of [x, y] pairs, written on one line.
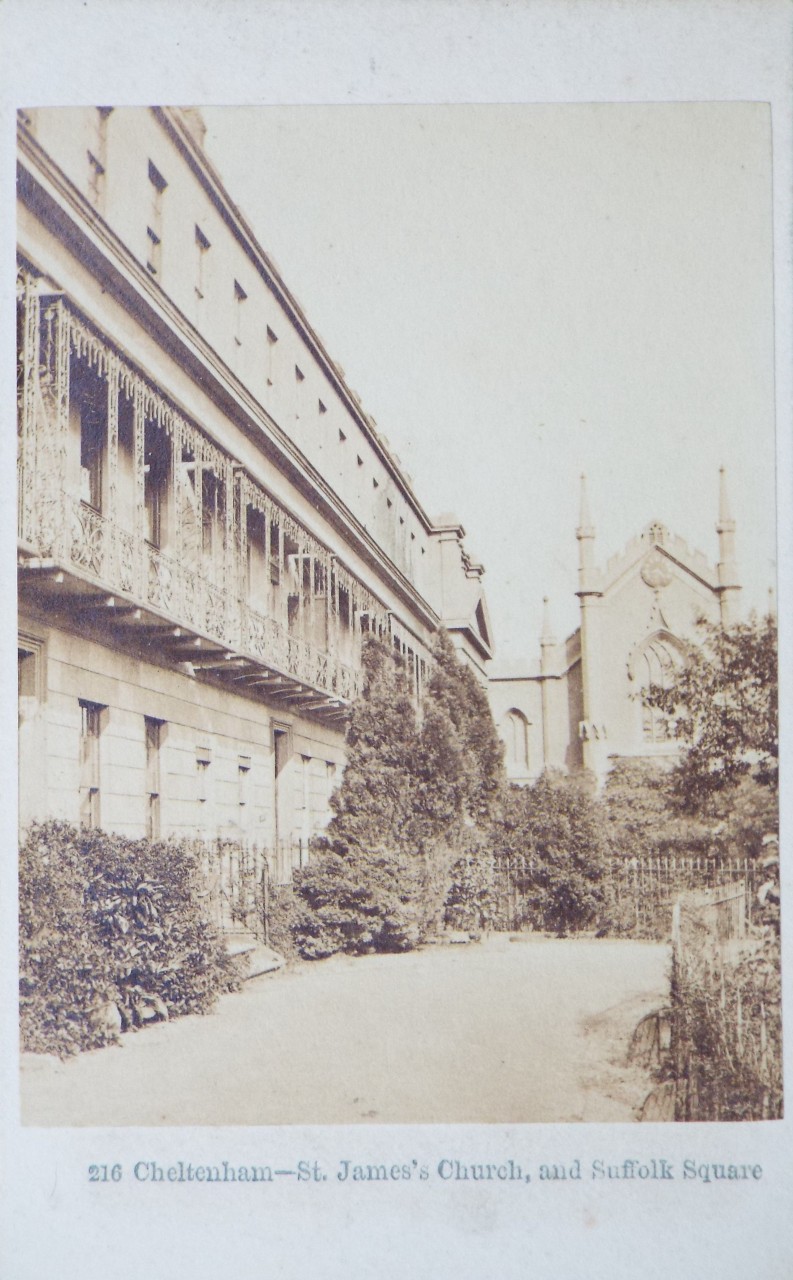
{"points": [[208, 521]]}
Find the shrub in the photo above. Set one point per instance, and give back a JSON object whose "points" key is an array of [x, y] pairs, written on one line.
{"points": [[357, 901], [106, 921], [472, 900], [559, 830]]}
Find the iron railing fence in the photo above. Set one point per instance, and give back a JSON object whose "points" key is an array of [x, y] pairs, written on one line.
{"points": [[240, 879], [638, 892]]}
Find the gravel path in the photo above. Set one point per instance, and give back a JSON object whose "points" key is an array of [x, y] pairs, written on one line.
{"points": [[502, 1031]]}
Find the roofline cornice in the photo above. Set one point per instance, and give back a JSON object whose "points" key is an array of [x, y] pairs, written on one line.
{"points": [[207, 174]]}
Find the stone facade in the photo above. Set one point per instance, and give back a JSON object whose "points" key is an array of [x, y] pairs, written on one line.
{"points": [[208, 521], [581, 706]]}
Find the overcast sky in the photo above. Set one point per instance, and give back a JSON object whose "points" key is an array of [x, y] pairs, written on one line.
{"points": [[521, 293]]}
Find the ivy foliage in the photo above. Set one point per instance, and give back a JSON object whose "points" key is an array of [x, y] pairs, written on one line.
{"points": [[110, 924]]}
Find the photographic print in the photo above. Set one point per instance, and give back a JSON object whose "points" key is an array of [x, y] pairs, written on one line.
{"points": [[397, 706], [396, 822]]}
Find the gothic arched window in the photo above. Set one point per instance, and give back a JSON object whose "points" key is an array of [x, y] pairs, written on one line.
{"points": [[656, 665], [516, 736]]}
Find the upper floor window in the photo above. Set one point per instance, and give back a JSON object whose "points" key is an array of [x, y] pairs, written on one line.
{"points": [[240, 296], [157, 185], [272, 338], [202, 247], [97, 156], [88, 417], [156, 483]]}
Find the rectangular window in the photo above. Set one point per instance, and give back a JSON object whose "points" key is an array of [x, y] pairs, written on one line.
{"points": [[97, 157], [91, 722], [154, 733], [92, 443], [272, 338], [243, 790], [157, 185], [203, 762], [88, 416], [156, 481], [202, 247], [240, 296]]}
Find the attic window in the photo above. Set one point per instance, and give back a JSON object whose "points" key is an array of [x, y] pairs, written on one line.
{"points": [[342, 436], [360, 460], [375, 483], [299, 374], [412, 537], [156, 178], [389, 503], [239, 292], [322, 408], [271, 337]]}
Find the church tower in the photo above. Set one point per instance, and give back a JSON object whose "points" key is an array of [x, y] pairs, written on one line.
{"points": [[729, 587]]}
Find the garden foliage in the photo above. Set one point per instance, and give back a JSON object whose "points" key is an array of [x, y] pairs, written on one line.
{"points": [[379, 879], [106, 924], [726, 1051], [559, 829], [723, 706]]}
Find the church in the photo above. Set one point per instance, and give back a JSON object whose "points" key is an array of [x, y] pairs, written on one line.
{"points": [[580, 706]]}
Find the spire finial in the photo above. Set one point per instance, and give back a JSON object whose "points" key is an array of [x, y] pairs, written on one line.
{"points": [[725, 514], [546, 636], [585, 528]]}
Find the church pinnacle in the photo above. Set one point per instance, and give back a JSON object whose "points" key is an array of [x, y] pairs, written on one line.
{"points": [[727, 569], [585, 533]]}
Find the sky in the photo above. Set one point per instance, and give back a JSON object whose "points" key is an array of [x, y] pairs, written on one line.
{"points": [[520, 294]]}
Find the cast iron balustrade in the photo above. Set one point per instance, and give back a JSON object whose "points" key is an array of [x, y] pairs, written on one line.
{"points": [[161, 520]]}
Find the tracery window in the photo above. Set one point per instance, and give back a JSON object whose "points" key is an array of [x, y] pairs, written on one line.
{"points": [[657, 665]]}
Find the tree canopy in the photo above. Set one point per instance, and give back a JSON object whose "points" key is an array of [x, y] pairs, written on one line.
{"points": [[723, 707]]}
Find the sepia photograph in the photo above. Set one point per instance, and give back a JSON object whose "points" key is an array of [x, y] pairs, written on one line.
{"points": [[421, 765], [399, 399]]}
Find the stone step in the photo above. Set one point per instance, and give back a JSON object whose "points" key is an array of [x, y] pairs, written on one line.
{"points": [[257, 957]]}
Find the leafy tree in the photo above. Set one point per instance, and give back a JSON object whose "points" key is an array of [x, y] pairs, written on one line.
{"points": [[643, 812], [723, 705]]}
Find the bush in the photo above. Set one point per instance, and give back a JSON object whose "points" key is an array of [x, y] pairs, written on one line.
{"points": [[357, 901], [106, 921], [559, 829], [472, 900]]}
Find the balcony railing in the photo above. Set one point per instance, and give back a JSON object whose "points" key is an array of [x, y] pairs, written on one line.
{"points": [[167, 475]]}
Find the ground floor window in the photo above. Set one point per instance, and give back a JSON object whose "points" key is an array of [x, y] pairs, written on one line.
{"points": [[92, 718]]}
